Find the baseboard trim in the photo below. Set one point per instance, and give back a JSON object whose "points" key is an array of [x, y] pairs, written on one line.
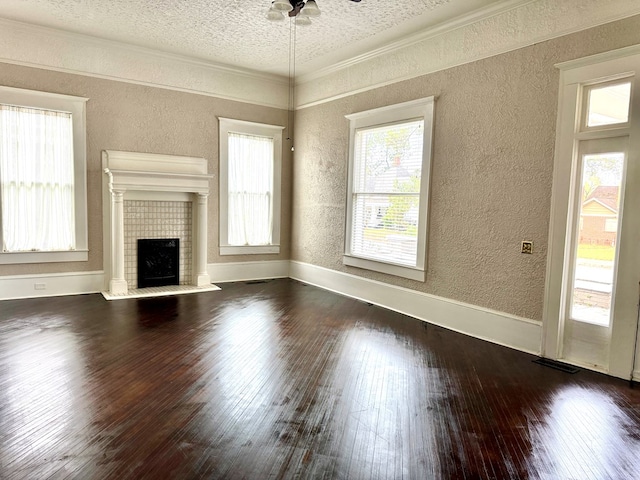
{"points": [[55, 284], [490, 325], [241, 271], [76, 283], [497, 327]]}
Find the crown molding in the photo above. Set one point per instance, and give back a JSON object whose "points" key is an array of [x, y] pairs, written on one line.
{"points": [[413, 39], [51, 49], [484, 33], [599, 57]]}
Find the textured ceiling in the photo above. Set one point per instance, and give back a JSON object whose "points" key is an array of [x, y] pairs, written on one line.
{"points": [[236, 32]]}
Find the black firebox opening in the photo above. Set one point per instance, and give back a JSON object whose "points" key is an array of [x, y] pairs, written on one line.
{"points": [[158, 262]]}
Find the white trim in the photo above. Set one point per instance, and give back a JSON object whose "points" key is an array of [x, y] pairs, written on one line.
{"points": [[564, 207], [165, 291], [129, 173], [391, 48], [18, 258], [490, 325], [598, 58], [76, 283], [56, 50], [55, 284], [248, 249], [392, 113], [497, 327], [422, 108], [156, 196], [131, 180], [226, 126], [76, 106], [241, 126], [155, 162], [496, 29], [25, 98], [493, 31], [242, 271], [384, 267]]}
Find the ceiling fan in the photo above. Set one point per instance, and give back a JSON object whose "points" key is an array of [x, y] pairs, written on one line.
{"points": [[295, 8], [298, 5]]}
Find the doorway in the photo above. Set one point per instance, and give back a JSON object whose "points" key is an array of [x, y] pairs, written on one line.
{"points": [[593, 271]]}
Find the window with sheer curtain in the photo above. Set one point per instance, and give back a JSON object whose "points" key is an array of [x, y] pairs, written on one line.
{"points": [[36, 179], [40, 200], [390, 158], [249, 187]]}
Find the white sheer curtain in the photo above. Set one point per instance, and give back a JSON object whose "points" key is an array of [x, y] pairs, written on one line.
{"points": [[250, 189], [36, 179]]}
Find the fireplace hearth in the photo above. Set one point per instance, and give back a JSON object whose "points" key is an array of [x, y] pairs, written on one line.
{"points": [[158, 262]]}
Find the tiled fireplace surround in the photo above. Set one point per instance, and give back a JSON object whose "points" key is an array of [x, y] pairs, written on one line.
{"points": [[153, 196], [151, 219]]}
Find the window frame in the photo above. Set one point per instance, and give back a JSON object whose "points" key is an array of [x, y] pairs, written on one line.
{"points": [[422, 108], [77, 107], [242, 127]]}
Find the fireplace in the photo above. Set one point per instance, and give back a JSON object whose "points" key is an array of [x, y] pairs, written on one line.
{"points": [[164, 184], [158, 262]]}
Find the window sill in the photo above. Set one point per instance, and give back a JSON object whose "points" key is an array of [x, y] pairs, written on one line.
{"points": [[14, 258], [249, 249], [411, 273]]}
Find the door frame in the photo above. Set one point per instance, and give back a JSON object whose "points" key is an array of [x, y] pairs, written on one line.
{"points": [[574, 75]]}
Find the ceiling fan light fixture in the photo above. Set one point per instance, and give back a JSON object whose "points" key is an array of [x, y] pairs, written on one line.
{"points": [[310, 9], [282, 5], [274, 15], [303, 20]]}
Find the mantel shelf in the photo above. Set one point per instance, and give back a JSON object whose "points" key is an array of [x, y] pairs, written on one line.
{"points": [[160, 181]]}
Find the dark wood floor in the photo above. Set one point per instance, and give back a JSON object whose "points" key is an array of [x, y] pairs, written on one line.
{"points": [[281, 380]]}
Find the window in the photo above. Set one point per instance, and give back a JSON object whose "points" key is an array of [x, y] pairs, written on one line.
{"points": [[42, 177], [250, 165], [608, 104], [389, 168], [591, 299], [611, 225]]}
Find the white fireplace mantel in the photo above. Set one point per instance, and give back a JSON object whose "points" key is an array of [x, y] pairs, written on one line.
{"points": [[127, 173]]}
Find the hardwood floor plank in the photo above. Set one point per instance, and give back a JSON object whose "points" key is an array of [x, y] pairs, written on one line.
{"points": [[280, 380]]}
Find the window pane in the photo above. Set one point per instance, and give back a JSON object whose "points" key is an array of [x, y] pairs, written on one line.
{"points": [[388, 167], [609, 105], [388, 159], [385, 228], [250, 187], [597, 238], [36, 179]]}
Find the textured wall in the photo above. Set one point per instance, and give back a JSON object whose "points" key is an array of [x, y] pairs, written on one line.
{"points": [[513, 25], [491, 175], [123, 116]]}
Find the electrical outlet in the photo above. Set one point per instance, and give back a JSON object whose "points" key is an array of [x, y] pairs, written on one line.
{"points": [[40, 286], [527, 247]]}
